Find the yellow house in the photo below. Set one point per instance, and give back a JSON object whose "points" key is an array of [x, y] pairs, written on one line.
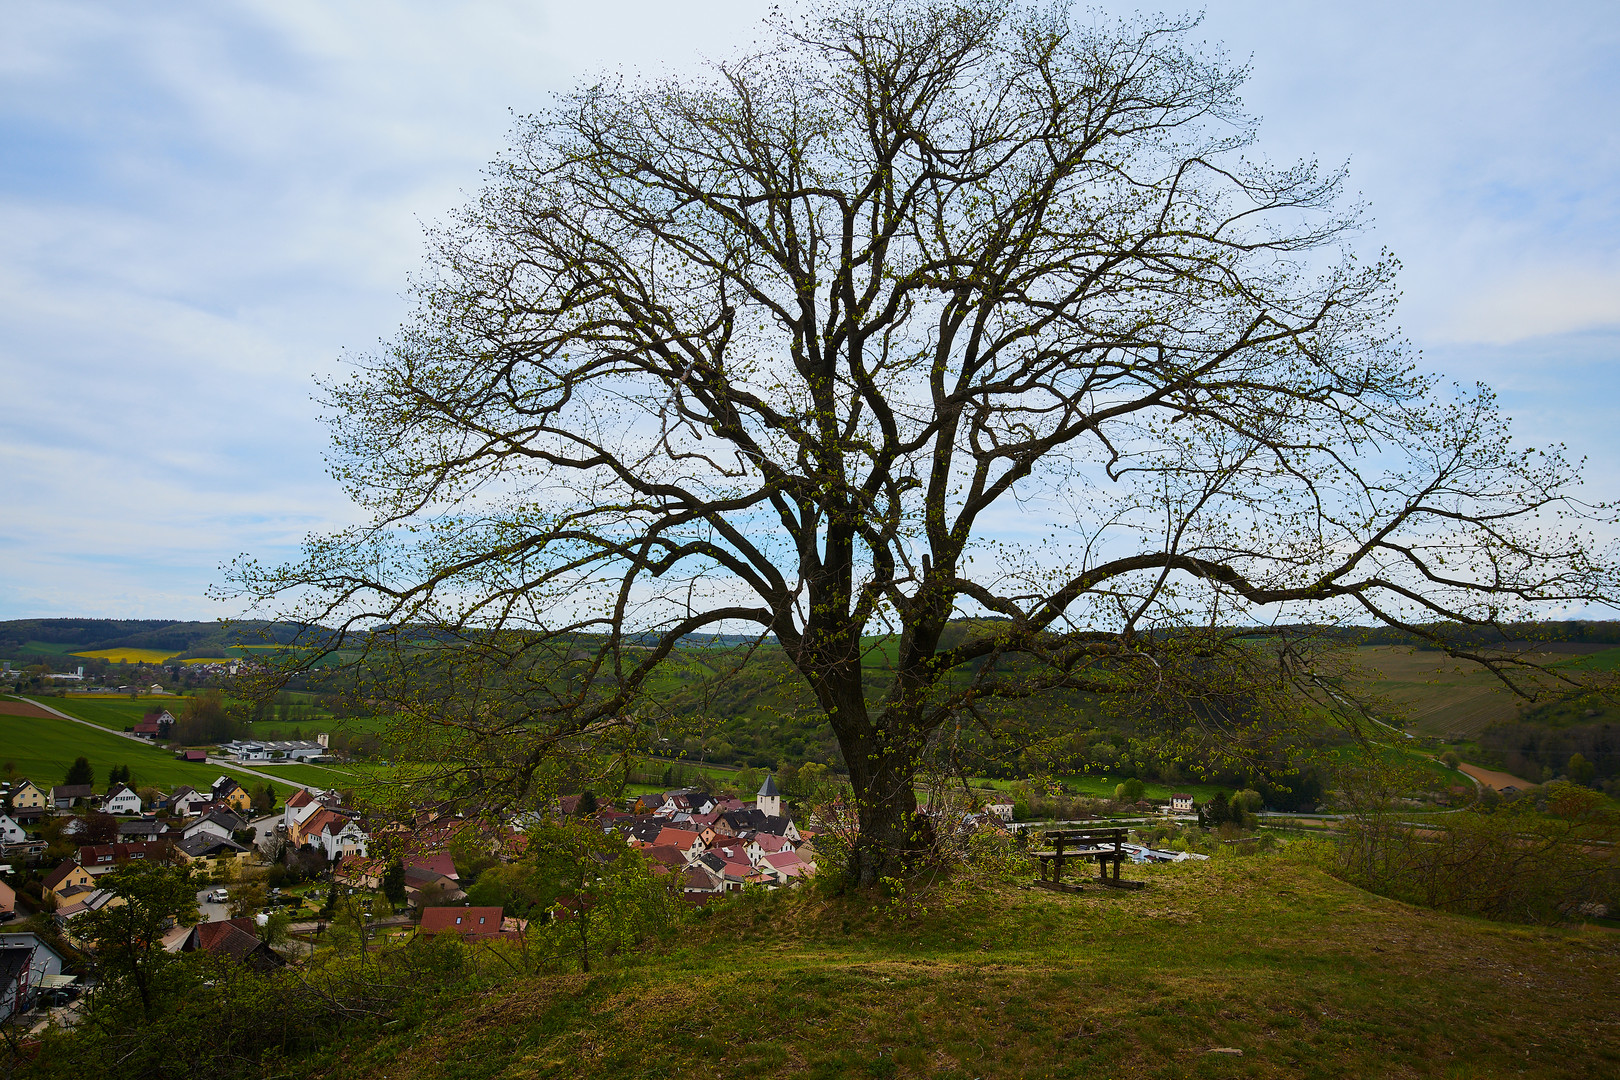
{"points": [[26, 795], [67, 878], [231, 793]]}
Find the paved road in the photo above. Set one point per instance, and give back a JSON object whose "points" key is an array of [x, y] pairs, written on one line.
{"points": [[221, 763], [264, 827]]}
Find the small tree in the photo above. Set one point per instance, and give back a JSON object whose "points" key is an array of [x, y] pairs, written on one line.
{"points": [[99, 828], [263, 797], [587, 803], [127, 938], [602, 891], [275, 932], [80, 773], [393, 882], [1579, 769], [1130, 791]]}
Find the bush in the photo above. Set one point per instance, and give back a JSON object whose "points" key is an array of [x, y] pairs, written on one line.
{"points": [[1515, 862]]}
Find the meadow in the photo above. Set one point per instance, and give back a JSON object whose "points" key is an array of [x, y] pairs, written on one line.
{"points": [[1239, 967], [1455, 699], [42, 748], [113, 713]]}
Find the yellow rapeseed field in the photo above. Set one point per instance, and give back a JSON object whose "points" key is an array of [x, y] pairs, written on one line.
{"points": [[132, 656]]}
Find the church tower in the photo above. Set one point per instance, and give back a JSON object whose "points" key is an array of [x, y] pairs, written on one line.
{"points": [[770, 800]]}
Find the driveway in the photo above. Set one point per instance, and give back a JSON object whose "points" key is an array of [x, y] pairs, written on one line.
{"points": [[207, 910]]}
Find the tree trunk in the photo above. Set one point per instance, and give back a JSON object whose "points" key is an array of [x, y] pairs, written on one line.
{"points": [[886, 803]]}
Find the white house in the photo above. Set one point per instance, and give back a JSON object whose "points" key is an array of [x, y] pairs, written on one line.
{"points": [[210, 824], [340, 837], [121, 800], [286, 750], [1181, 804], [10, 831], [184, 799], [299, 808], [1002, 810]]}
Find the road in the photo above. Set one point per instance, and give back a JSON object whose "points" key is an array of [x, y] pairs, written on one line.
{"points": [[219, 762]]}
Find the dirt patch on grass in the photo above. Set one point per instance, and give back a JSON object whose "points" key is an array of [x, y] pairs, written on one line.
{"points": [[22, 708]]}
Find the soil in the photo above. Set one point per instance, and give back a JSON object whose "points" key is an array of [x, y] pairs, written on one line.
{"points": [[21, 708], [1496, 780]]}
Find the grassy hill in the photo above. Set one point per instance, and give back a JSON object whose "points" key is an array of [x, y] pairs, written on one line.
{"points": [[42, 748], [1304, 975]]}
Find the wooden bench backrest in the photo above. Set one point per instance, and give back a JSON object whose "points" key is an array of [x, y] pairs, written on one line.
{"points": [[1077, 836]]}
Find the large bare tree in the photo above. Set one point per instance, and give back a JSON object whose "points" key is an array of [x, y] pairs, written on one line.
{"points": [[928, 310]]}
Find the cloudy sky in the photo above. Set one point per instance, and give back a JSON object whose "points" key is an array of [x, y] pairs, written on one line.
{"points": [[203, 205]]}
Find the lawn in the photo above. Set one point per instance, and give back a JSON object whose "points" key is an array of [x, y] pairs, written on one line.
{"points": [[42, 748], [1239, 967]]}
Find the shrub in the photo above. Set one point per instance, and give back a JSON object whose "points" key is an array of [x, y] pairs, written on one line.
{"points": [[1515, 862]]}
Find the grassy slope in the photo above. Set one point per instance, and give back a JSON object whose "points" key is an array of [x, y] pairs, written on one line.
{"points": [[324, 776], [112, 713], [1305, 975], [42, 748]]}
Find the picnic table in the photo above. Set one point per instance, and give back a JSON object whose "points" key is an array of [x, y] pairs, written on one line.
{"points": [[1106, 846]]}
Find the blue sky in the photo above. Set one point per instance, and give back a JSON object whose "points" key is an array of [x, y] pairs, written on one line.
{"points": [[204, 205]]}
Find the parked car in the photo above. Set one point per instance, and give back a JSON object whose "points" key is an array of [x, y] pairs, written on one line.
{"points": [[219, 896], [7, 916]]}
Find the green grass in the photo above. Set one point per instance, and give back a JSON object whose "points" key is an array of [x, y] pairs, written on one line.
{"points": [[1607, 660], [110, 712], [322, 776], [1308, 977], [1102, 787], [42, 748]]}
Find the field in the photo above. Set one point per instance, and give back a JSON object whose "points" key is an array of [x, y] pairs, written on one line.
{"points": [[131, 656], [1453, 699], [322, 776], [113, 713], [1102, 787], [42, 748], [1240, 967]]}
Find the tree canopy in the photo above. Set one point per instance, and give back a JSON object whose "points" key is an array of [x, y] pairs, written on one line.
{"points": [[923, 312]]}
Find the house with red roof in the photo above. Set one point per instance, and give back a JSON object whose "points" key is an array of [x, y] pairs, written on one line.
{"points": [[470, 923], [687, 841], [237, 939], [784, 867]]}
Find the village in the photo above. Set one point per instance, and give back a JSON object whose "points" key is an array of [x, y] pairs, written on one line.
{"points": [[318, 847]]}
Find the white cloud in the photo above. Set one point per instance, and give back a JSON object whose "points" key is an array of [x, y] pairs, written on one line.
{"points": [[1535, 303]]}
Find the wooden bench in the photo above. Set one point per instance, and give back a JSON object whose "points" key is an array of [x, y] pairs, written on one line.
{"points": [[1106, 846]]}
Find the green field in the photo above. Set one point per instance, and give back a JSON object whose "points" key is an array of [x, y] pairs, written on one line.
{"points": [[1102, 787], [321, 776], [110, 712], [42, 748], [1239, 967]]}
